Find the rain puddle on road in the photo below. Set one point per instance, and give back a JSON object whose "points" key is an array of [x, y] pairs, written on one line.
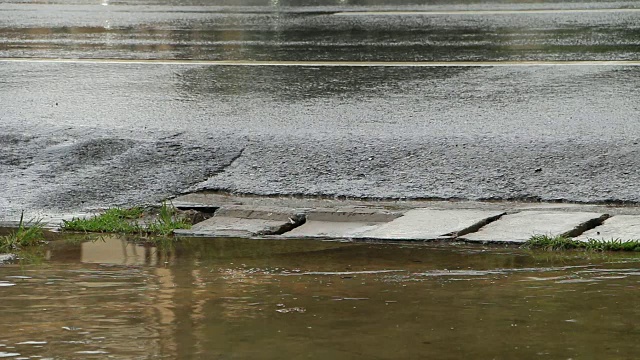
{"points": [[277, 299]]}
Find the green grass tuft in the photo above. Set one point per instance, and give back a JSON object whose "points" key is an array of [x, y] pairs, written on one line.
{"points": [[167, 221], [113, 220], [128, 221], [613, 245], [27, 234], [547, 242]]}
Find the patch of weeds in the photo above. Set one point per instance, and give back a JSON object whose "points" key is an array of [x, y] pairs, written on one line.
{"points": [[114, 220], [27, 234], [167, 221], [613, 245], [546, 242], [131, 221]]}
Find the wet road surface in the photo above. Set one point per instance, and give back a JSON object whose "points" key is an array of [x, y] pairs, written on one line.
{"points": [[248, 299], [83, 134], [475, 32]]}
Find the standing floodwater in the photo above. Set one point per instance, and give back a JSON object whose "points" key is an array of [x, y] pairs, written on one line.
{"points": [[266, 299]]}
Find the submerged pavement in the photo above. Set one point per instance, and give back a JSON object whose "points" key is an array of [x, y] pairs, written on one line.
{"points": [[123, 104]]}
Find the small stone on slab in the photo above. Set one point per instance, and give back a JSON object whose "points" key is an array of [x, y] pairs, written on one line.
{"points": [[520, 227], [431, 224]]}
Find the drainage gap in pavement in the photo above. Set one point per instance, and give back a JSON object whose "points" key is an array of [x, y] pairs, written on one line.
{"points": [[475, 227], [196, 214], [588, 225]]}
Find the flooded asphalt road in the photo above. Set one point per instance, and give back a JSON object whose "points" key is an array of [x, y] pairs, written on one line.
{"points": [[83, 134], [265, 299]]}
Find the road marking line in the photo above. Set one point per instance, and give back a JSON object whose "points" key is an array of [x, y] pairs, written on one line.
{"points": [[327, 63], [484, 12]]}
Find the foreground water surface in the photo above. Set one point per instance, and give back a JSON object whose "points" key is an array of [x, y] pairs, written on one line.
{"points": [[268, 299]]}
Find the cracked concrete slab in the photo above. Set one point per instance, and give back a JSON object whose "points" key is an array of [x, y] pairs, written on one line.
{"points": [[208, 200], [353, 214], [259, 212], [620, 227], [431, 224], [233, 227], [348, 222], [344, 222], [245, 221], [330, 229], [48, 221], [519, 227]]}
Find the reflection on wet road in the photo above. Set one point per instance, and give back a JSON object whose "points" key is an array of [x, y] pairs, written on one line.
{"points": [[205, 33], [247, 299], [372, 64]]}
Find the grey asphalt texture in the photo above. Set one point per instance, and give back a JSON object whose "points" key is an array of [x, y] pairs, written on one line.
{"points": [[77, 136]]}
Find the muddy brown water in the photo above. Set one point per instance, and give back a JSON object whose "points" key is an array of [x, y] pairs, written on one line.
{"points": [[293, 299]]}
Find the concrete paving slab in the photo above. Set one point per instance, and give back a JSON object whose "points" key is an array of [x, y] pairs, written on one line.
{"points": [[353, 214], [49, 222], [343, 222], [219, 226], [331, 229], [430, 224], [246, 221], [519, 227], [259, 212], [216, 200], [620, 227]]}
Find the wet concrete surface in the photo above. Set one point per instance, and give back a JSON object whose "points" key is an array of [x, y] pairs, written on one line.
{"points": [[520, 227], [77, 136]]}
